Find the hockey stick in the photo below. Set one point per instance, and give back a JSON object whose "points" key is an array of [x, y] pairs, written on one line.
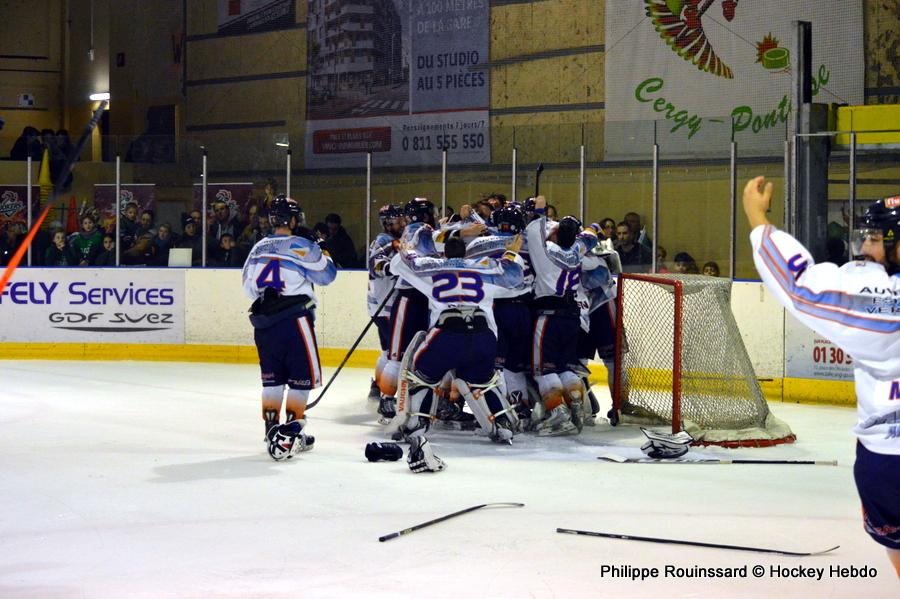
{"points": [[623, 460], [609, 535], [406, 531], [63, 175], [537, 179], [352, 349]]}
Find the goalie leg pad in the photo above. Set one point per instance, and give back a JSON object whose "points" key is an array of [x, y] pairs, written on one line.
{"points": [[491, 409]]}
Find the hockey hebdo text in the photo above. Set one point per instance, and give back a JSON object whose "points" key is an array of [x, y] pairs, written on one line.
{"points": [[773, 571]]}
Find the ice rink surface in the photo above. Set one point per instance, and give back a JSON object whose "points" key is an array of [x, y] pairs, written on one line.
{"points": [[127, 479]]}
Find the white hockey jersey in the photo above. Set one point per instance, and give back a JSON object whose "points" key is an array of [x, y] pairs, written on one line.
{"points": [[419, 239], [381, 279], [289, 264], [597, 288], [857, 307], [459, 282], [557, 271], [493, 246]]}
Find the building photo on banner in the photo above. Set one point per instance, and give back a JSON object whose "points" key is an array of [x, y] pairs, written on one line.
{"points": [[661, 53], [405, 80]]}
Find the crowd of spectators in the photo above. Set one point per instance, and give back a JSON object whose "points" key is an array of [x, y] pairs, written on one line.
{"points": [[58, 145], [635, 249]]}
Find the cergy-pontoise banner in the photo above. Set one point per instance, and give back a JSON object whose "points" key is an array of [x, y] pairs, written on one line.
{"points": [[250, 16], [404, 79], [93, 306], [700, 67]]}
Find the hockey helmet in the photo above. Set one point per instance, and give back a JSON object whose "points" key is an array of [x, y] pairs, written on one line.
{"points": [[388, 213], [509, 220], [419, 210], [569, 227], [881, 219], [282, 210]]}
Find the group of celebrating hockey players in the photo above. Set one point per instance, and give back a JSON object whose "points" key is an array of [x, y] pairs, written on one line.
{"points": [[476, 310], [479, 310]]}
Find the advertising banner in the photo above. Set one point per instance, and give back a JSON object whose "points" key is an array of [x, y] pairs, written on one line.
{"points": [[77, 305], [696, 69], [251, 16], [142, 194], [14, 204], [237, 196], [808, 355], [403, 79]]}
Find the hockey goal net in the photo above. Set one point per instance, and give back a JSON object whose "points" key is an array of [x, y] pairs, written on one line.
{"points": [[680, 360]]}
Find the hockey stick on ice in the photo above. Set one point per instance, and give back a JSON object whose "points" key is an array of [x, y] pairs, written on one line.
{"points": [[406, 531], [63, 175], [610, 535], [623, 460], [352, 349]]}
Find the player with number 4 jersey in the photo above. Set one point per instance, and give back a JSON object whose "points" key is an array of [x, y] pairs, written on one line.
{"points": [[279, 275]]}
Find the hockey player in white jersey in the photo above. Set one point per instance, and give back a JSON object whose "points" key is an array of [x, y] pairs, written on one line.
{"points": [[596, 302], [381, 287], [512, 307], [857, 307], [279, 275], [462, 337], [556, 252]]}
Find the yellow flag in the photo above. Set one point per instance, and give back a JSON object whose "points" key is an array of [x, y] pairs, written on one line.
{"points": [[44, 177]]}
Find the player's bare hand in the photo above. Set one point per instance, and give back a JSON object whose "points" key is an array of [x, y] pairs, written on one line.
{"points": [[465, 211], [473, 230], [515, 244], [757, 198], [540, 203]]}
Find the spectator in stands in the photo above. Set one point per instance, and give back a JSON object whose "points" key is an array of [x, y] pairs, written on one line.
{"points": [[27, 144], [10, 242], [634, 256], [608, 228], [259, 229], [661, 255], [227, 255], [342, 251], [552, 213], [197, 215], [141, 251], [224, 223], [191, 239], [269, 193], [88, 243], [107, 257], [711, 269], [634, 221], [39, 245], [128, 225], [59, 254], [161, 245], [685, 264], [145, 225], [64, 148], [320, 230]]}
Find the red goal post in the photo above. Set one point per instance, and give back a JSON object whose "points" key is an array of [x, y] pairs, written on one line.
{"points": [[680, 361]]}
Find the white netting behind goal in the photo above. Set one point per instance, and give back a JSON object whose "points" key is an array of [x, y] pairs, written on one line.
{"points": [[680, 355]]}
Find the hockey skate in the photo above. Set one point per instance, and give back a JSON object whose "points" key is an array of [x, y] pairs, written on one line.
{"points": [[287, 440], [557, 423], [503, 430], [387, 408], [578, 417], [450, 416], [374, 392]]}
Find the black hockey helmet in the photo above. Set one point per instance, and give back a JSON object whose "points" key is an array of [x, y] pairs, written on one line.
{"points": [[389, 212], [569, 227], [282, 210], [419, 210], [508, 219], [882, 216]]}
